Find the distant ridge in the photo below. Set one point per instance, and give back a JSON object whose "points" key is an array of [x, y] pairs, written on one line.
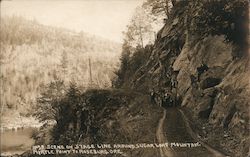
{"points": [[32, 55]]}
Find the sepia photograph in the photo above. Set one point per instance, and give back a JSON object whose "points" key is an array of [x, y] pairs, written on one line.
{"points": [[124, 78]]}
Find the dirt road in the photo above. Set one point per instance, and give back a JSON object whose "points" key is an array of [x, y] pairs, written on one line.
{"points": [[173, 128]]}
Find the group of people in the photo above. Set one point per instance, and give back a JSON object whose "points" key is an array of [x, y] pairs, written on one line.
{"points": [[163, 98], [166, 95]]}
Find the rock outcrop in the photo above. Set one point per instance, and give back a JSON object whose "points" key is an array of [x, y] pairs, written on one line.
{"points": [[212, 82]]}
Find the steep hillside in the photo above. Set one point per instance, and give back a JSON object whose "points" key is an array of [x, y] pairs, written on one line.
{"points": [[199, 62], [32, 55], [103, 117], [203, 62]]}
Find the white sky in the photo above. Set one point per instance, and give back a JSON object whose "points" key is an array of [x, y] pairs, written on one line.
{"points": [[106, 18]]}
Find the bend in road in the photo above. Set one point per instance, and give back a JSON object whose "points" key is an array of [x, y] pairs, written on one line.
{"points": [[174, 128]]}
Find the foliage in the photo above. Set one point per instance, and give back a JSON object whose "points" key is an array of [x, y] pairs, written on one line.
{"points": [[78, 114], [220, 17], [196, 18], [159, 7], [137, 39], [100, 116], [140, 57], [48, 103], [139, 31], [32, 55], [66, 125], [16, 30], [124, 65], [59, 104], [130, 63]]}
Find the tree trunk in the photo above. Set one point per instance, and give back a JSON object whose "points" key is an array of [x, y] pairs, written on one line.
{"points": [[167, 8], [141, 37]]}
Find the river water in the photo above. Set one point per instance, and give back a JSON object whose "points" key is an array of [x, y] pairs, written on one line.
{"points": [[16, 142]]}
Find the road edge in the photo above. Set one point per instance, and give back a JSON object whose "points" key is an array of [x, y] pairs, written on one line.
{"points": [[195, 136]]}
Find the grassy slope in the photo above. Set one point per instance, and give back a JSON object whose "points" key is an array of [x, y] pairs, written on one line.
{"points": [[118, 117], [133, 122]]}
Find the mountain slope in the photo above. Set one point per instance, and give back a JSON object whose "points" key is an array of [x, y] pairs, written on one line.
{"points": [[32, 55], [203, 63]]}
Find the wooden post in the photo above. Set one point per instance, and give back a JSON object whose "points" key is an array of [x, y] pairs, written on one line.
{"points": [[90, 73]]}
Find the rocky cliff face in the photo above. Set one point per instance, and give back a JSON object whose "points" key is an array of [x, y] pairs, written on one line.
{"points": [[219, 90], [212, 82]]}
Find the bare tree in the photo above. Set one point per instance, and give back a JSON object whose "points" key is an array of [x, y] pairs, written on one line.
{"points": [[159, 7], [139, 31]]}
